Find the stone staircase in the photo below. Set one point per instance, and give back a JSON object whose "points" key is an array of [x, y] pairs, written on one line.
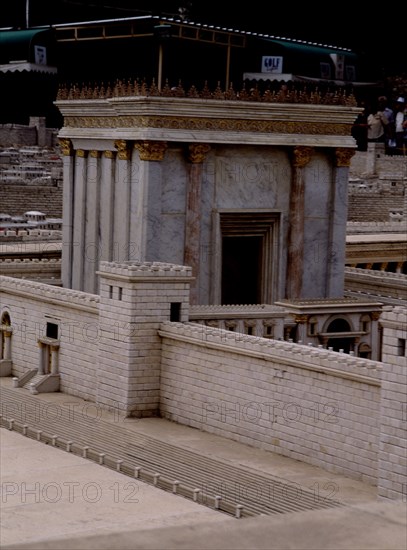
{"points": [[33, 381], [37, 383], [232, 489]]}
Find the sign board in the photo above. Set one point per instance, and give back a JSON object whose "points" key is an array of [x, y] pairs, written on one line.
{"points": [[40, 55], [339, 62], [272, 64]]}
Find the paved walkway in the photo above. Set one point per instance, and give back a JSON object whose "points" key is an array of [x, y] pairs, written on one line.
{"points": [[367, 521]]}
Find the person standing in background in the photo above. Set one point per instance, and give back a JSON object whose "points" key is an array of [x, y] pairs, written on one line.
{"points": [[383, 107], [401, 125], [377, 123]]}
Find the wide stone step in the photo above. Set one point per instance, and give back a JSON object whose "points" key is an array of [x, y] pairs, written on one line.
{"points": [[200, 477]]}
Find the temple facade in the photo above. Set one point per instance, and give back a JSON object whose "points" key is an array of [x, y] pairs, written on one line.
{"points": [[250, 191]]}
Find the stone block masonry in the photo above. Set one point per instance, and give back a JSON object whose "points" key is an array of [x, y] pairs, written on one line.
{"points": [[16, 199], [134, 299], [309, 404], [393, 414], [133, 350]]}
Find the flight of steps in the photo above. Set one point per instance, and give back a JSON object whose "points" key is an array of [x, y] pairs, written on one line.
{"points": [[198, 477], [33, 380]]}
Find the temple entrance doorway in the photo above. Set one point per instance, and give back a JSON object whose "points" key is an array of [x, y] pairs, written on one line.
{"points": [[242, 260]]}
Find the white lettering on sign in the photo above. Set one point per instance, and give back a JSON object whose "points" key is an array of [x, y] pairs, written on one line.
{"points": [[272, 64]]}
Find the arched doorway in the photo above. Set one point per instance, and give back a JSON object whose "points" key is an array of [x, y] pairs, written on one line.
{"points": [[339, 342]]}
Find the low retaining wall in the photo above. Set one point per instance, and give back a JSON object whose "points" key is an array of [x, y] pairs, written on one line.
{"points": [[306, 403]]}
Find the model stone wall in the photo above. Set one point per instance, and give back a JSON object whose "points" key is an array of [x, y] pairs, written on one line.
{"points": [[31, 306], [393, 434], [134, 351], [16, 199], [12, 135], [312, 405]]}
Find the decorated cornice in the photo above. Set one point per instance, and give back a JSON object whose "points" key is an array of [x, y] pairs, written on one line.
{"points": [[204, 123], [207, 121], [151, 150]]}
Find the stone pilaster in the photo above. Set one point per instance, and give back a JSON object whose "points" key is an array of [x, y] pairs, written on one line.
{"points": [[67, 211], [79, 217], [107, 198], [145, 200], [121, 218], [91, 260], [197, 155], [295, 256], [337, 224]]}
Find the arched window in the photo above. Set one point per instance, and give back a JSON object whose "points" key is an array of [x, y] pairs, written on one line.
{"points": [[340, 341], [339, 325]]}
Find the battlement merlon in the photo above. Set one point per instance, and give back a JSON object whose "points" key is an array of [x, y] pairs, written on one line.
{"points": [[206, 121], [140, 271]]}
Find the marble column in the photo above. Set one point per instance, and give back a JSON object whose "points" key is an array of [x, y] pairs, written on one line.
{"points": [[301, 321], [42, 358], [79, 217], [295, 255], [106, 206], [54, 359], [399, 267], [121, 218], [337, 227], [196, 157], [146, 201], [67, 212], [7, 344], [375, 335], [91, 260]]}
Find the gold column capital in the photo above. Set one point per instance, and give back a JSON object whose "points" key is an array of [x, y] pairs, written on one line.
{"points": [[151, 150], [81, 153], [375, 315], [344, 156], [94, 154], [301, 319], [197, 152], [66, 146], [109, 154], [123, 149], [302, 156]]}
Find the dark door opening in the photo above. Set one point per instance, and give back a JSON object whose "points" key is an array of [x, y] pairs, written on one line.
{"points": [[241, 270], [338, 343]]}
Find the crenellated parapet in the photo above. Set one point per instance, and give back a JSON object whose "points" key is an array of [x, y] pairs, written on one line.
{"points": [[137, 88], [48, 293], [143, 269], [285, 353]]}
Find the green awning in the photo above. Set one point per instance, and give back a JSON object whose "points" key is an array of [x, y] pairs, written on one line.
{"points": [[18, 45], [297, 47]]}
